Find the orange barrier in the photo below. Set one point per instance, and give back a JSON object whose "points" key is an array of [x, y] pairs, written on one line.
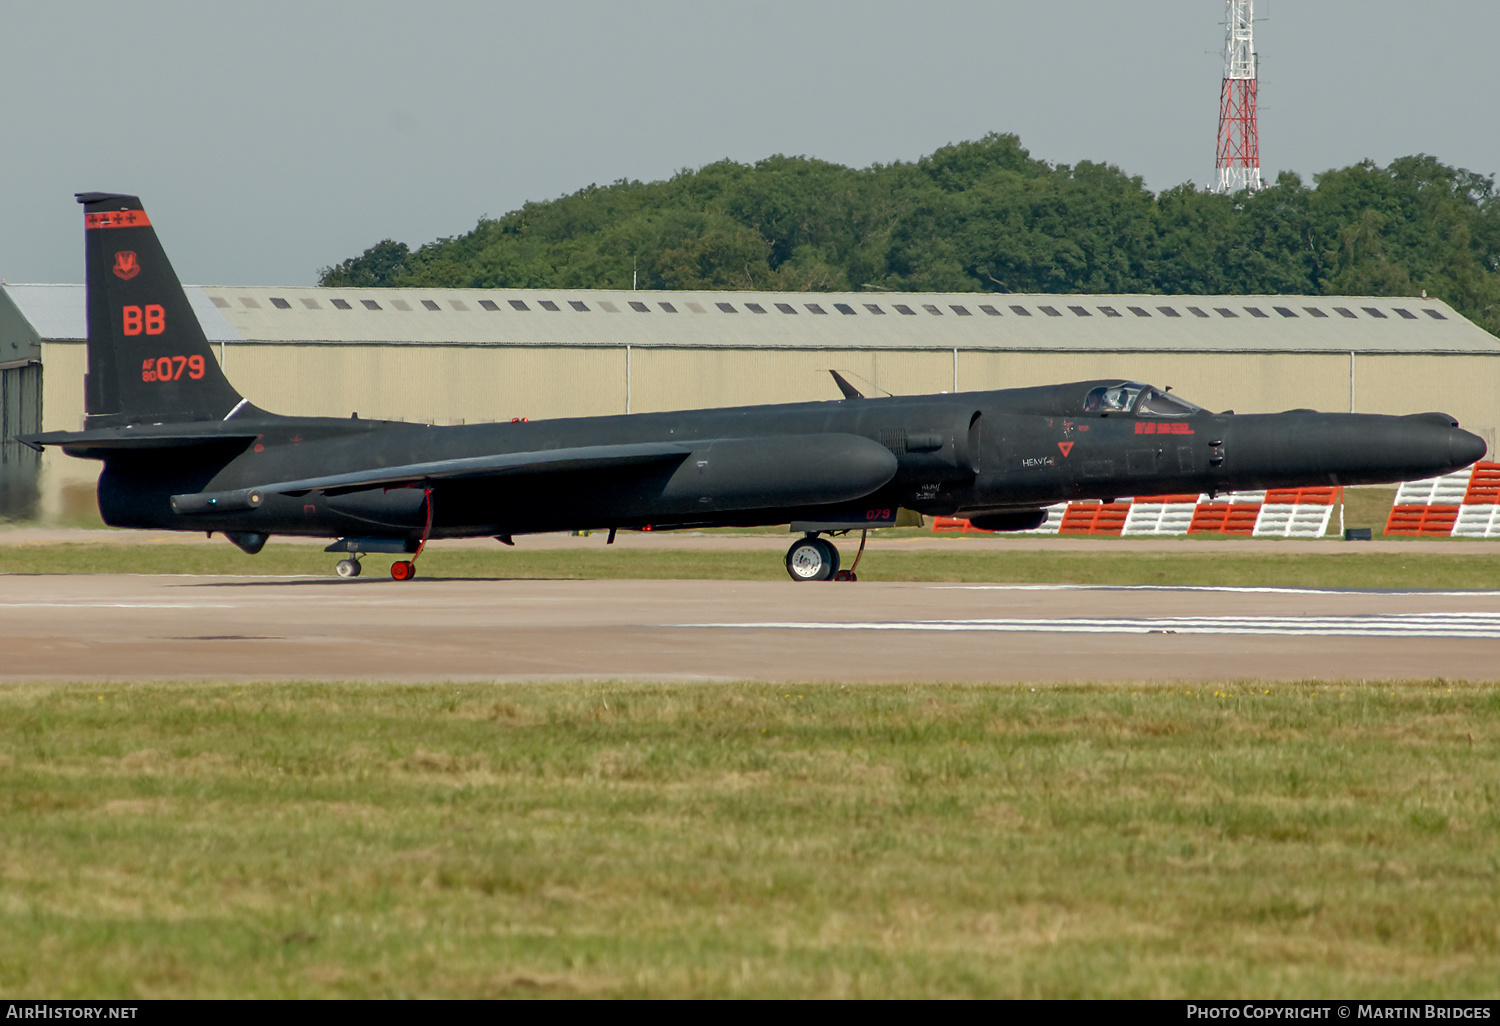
{"points": [[1422, 521], [1094, 518], [1459, 504], [1484, 485], [1225, 518], [1302, 496], [956, 524]]}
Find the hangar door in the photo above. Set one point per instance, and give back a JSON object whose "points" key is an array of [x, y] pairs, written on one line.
{"points": [[20, 414]]}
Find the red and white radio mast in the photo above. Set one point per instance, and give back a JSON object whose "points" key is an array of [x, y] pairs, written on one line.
{"points": [[1239, 137]]}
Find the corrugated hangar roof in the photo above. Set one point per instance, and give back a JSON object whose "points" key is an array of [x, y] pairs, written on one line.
{"points": [[977, 321], [59, 313]]}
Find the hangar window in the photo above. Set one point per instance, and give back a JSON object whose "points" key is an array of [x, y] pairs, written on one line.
{"points": [[1139, 311], [962, 311], [1314, 311], [755, 308], [220, 302], [874, 309], [399, 304], [431, 304], [639, 307], [1224, 311], [519, 304], [311, 304], [932, 309], [341, 304], [1406, 315], [1050, 311], [246, 301], [458, 305], [1109, 311], [1375, 312], [904, 310], [488, 304], [1344, 311], [1020, 311], [548, 305], [815, 308], [844, 308], [1435, 315], [1285, 311], [369, 304], [579, 305], [726, 307], [987, 308], [1197, 311], [1256, 311], [668, 307], [786, 308], [1168, 311], [1080, 311], [608, 307], [280, 303], [695, 307]]}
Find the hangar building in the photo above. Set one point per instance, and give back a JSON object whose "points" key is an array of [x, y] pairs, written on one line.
{"points": [[451, 356]]}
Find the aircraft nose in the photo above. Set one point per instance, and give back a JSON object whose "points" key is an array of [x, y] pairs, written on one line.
{"points": [[1465, 447]]}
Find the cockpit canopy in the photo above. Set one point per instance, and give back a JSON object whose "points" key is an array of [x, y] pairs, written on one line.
{"points": [[1134, 397]]}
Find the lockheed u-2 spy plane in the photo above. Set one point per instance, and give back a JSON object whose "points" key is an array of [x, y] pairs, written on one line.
{"points": [[182, 450]]}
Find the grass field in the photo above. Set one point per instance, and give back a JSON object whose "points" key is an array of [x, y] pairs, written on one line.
{"points": [[684, 840], [958, 563]]}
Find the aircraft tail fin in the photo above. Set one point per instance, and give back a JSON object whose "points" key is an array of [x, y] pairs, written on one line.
{"points": [[149, 361]]}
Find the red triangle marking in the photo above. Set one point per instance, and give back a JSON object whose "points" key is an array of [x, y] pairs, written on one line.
{"points": [[1066, 447]]}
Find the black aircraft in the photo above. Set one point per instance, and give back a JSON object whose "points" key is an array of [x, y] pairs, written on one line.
{"points": [[182, 450]]}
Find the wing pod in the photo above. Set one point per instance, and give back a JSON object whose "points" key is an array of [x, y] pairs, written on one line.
{"points": [[780, 471]]}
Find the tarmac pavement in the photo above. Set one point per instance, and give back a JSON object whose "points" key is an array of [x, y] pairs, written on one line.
{"points": [[136, 628]]}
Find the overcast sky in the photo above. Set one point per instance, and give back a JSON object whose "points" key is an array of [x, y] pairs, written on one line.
{"points": [[269, 139]]}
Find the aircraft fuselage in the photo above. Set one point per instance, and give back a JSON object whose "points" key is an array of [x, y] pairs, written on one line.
{"points": [[964, 454]]}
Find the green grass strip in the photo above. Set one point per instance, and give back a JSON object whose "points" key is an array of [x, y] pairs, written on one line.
{"points": [[359, 840], [1354, 569]]}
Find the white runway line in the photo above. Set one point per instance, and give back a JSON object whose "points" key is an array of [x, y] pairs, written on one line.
{"points": [[117, 605], [1390, 625], [1236, 589]]}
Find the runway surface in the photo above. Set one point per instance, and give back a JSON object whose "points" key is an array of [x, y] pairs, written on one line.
{"points": [[124, 628]]}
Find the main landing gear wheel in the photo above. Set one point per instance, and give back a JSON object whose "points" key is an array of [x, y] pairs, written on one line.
{"points": [[403, 570], [348, 568], [812, 559]]}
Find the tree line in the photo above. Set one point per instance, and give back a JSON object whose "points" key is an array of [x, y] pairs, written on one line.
{"points": [[983, 216]]}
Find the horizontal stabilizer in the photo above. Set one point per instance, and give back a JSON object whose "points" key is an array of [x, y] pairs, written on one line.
{"points": [[117, 439]]}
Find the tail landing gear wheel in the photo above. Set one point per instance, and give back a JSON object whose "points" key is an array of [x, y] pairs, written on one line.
{"points": [[812, 559], [348, 568], [845, 575], [403, 570]]}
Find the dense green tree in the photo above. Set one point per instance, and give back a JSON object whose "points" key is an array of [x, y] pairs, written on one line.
{"points": [[983, 216]]}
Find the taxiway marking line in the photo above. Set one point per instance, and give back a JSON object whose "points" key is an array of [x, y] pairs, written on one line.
{"points": [[117, 605], [1235, 589], [1398, 625]]}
